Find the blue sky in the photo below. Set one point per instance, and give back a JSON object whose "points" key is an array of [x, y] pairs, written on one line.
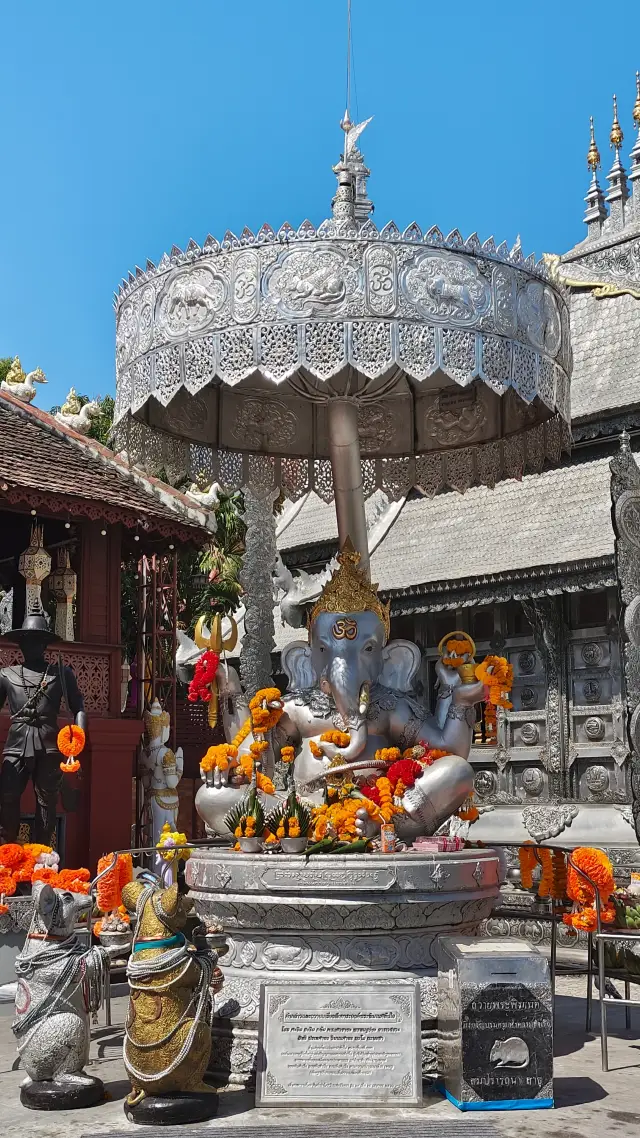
{"points": [[129, 127]]}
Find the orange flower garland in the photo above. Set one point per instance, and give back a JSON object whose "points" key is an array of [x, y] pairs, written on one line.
{"points": [[109, 888], [458, 652], [11, 855], [71, 741], [388, 754], [221, 757], [597, 865], [264, 718], [528, 862], [338, 738], [553, 878], [287, 754], [468, 812], [339, 819], [497, 674], [387, 806], [262, 781], [7, 883]]}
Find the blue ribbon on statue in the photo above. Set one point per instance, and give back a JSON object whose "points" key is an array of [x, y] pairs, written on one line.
{"points": [[165, 942]]}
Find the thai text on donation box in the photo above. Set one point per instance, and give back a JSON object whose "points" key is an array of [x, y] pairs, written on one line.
{"points": [[495, 1024]]}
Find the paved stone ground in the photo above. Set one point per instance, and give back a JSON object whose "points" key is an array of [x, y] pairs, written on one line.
{"points": [[588, 1102]]}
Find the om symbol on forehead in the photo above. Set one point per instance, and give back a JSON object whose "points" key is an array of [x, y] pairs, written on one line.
{"points": [[345, 629]]}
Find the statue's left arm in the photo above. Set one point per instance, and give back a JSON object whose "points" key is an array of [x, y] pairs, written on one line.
{"points": [[453, 734], [74, 699]]}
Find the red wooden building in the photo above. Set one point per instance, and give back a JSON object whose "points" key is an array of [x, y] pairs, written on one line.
{"points": [[108, 517]]}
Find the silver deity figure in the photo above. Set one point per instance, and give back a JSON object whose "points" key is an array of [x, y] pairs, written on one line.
{"points": [[350, 676], [161, 772], [60, 982]]}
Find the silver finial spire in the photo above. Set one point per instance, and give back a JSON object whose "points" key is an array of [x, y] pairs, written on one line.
{"points": [[617, 177], [351, 202], [596, 211]]}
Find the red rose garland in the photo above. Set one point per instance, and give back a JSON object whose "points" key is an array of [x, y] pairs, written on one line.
{"points": [[203, 677]]}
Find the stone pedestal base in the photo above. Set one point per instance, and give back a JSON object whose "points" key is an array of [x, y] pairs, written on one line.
{"points": [[173, 1110], [72, 1092], [287, 918]]}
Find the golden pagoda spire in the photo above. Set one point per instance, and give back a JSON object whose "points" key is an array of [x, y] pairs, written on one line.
{"points": [[593, 156], [636, 105], [616, 137]]}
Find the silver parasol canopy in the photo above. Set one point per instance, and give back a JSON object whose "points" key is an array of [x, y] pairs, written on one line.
{"points": [[343, 358]]}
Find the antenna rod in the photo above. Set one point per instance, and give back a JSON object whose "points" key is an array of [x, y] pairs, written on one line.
{"points": [[349, 58]]}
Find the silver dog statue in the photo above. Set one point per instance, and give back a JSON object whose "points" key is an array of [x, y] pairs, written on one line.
{"points": [[60, 982]]}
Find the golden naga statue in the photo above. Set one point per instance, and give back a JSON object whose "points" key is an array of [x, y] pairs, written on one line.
{"points": [[168, 1030]]}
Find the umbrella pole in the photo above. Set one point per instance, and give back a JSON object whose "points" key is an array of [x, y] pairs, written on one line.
{"points": [[344, 447]]}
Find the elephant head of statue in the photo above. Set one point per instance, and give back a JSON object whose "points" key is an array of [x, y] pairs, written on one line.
{"points": [[348, 650], [346, 655]]}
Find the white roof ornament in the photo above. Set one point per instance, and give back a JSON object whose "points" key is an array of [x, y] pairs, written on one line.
{"points": [[351, 202]]}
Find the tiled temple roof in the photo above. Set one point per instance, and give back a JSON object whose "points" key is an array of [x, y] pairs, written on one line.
{"points": [[46, 464], [559, 518]]}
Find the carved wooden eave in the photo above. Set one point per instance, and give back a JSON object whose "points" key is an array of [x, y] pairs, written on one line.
{"points": [[540, 581]]}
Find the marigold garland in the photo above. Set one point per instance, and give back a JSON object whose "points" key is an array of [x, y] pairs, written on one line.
{"points": [[109, 888], [339, 818], [35, 849], [458, 651], [598, 867], [263, 782], [468, 812], [239, 739], [497, 675], [264, 718], [173, 845], [387, 754], [7, 883], [287, 754], [11, 855], [71, 740], [316, 751], [338, 738], [586, 919], [220, 757], [528, 862]]}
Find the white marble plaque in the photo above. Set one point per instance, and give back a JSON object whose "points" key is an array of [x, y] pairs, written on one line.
{"points": [[346, 1043]]}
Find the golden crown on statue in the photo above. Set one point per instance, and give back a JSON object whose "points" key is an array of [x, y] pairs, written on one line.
{"points": [[349, 590]]}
